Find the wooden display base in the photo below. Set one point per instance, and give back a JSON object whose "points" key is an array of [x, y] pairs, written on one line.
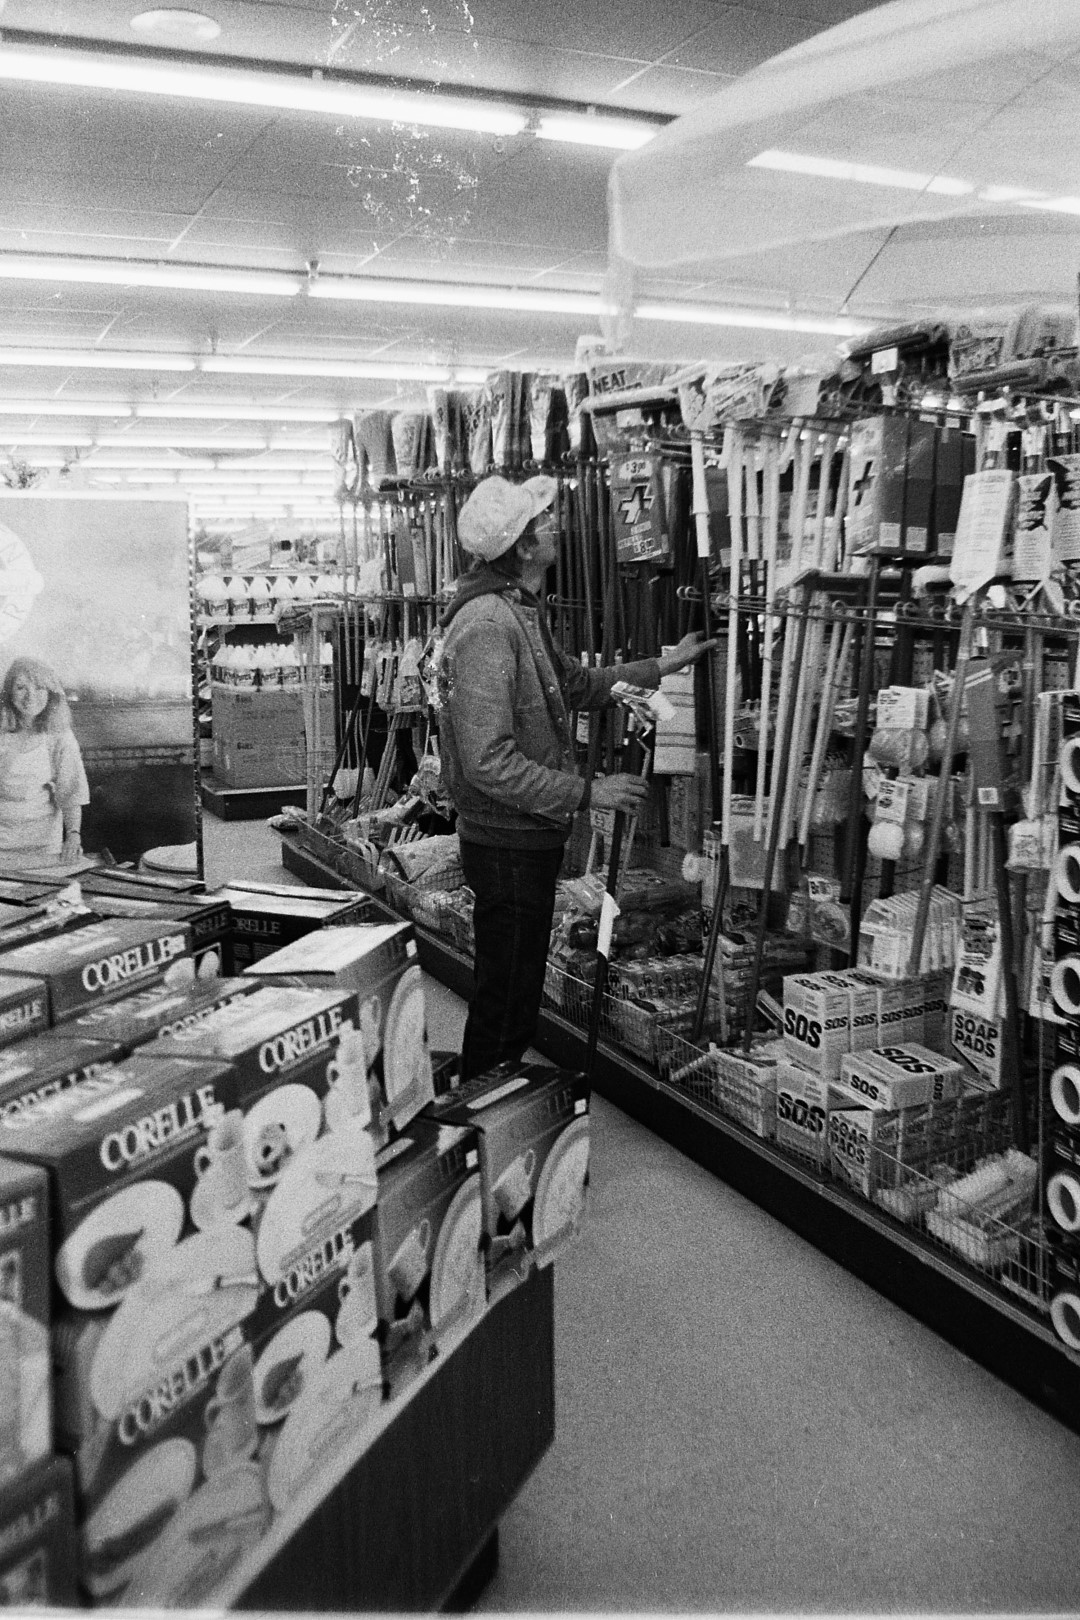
{"points": [[413, 1524], [1013, 1340], [247, 804]]}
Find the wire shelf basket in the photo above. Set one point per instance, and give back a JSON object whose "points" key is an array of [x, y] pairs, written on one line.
{"points": [[722, 1081]]}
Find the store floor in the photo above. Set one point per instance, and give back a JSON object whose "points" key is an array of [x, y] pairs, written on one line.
{"points": [[741, 1425]]}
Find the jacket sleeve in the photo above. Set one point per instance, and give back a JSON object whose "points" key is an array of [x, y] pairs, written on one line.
{"points": [[591, 688], [482, 710]]}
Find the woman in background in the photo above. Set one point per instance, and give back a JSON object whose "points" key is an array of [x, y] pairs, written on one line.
{"points": [[43, 784]]}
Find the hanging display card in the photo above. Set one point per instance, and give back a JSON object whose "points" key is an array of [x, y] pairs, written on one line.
{"points": [[637, 506], [1035, 511], [1066, 471], [979, 553]]}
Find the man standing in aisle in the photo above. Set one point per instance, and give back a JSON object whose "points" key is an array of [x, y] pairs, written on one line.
{"points": [[506, 692]]}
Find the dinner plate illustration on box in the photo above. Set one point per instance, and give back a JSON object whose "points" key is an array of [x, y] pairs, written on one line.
{"points": [[325, 1186], [205, 1286], [117, 1243], [327, 1421], [457, 1270], [289, 1363], [560, 1191], [275, 1130], [204, 1543], [406, 1061], [135, 1514]]}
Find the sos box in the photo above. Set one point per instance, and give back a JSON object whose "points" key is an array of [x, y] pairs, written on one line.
{"points": [[977, 1041], [893, 1077], [100, 962], [802, 1111], [817, 1021]]}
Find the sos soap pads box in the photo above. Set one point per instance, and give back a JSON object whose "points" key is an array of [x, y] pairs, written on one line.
{"points": [[25, 1275], [101, 961], [893, 1077]]}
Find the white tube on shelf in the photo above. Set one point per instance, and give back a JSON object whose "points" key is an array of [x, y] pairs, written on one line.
{"points": [[1063, 1200], [1065, 1093]]}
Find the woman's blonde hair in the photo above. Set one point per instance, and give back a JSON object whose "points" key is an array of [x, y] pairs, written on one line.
{"points": [[55, 716]]}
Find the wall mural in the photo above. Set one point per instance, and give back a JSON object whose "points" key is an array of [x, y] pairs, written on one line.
{"points": [[96, 699]]}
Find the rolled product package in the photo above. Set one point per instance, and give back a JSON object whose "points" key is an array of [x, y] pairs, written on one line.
{"points": [[1063, 1200], [1070, 766], [541, 388], [1065, 986], [439, 405], [498, 389], [476, 409], [906, 750], [373, 433], [408, 430], [1065, 1093], [886, 840], [1067, 873], [1065, 1315]]}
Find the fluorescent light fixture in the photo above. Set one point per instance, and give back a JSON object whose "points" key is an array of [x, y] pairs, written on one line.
{"points": [[459, 295], [197, 441], [176, 27], [74, 440], [62, 407], [97, 359], [287, 92], [213, 412], [592, 129], [867, 174], [1053, 205], [231, 365], [140, 273], [315, 92], [768, 320], [1016, 194]]}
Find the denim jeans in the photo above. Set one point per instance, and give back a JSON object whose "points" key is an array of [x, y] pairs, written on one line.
{"points": [[515, 902]]}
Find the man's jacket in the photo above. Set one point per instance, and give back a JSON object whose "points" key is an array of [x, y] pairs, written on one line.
{"points": [[505, 693]]}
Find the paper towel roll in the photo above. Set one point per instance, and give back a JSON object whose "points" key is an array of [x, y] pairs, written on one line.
{"points": [[1065, 1315], [1065, 985], [1065, 1093], [1070, 765], [1067, 873], [886, 840], [1063, 1199]]}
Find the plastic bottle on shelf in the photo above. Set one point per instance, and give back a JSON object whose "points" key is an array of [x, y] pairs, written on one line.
{"points": [[303, 588], [212, 593], [290, 665], [259, 595], [281, 588], [245, 657], [236, 595], [326, 663]]}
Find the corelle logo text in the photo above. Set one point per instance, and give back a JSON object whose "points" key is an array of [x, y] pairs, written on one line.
{"points": [[148, 1135], [30, 1523], [30, 1012], [29, 1099], [332, 1255], [293, 1044], [154, 1405], [133, 963]]}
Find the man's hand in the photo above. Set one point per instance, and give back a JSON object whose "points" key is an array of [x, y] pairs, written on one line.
{"points": [[627, 793], [689, 649]]}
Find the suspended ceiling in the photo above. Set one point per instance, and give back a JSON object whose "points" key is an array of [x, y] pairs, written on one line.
{"points": [[124, 177]]}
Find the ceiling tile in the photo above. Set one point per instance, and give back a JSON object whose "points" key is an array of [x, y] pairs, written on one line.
{"points": [[669, 89], [738, 38]]}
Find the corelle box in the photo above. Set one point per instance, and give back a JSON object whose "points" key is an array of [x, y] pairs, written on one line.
{"points": [[802, 1108], [534, 1161], [429, 1265], [817, 1021], [37, 1538], [263, 920], [209, 919], [163, 1009], [122, 1151], [24, 1008], [377, 963], [893, 1077], [101, 961], [25, 1272], [124, 880], [44, 1064]]}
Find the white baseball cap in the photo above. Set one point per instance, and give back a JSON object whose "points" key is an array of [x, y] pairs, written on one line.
{"points": [[497, 511]]}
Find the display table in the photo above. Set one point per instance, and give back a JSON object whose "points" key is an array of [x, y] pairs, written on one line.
{"points": [[1010, 1338], [416, 1515]]}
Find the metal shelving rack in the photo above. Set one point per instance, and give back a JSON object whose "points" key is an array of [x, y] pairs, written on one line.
{"points": [[1008, 1337]]}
